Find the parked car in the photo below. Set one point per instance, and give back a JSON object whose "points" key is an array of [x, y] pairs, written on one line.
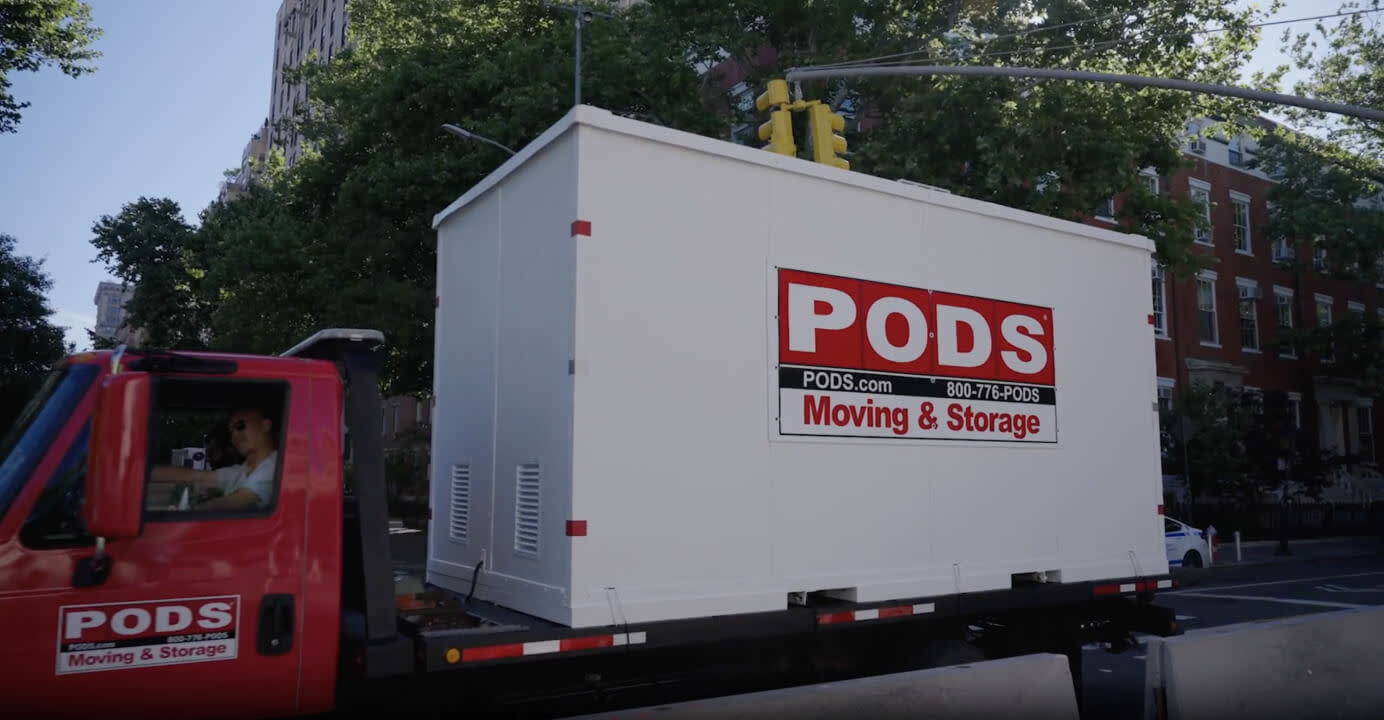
{"points": [[1187, 546]]}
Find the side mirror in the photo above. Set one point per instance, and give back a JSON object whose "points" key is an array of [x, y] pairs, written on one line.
{"points": [[118, 458]]}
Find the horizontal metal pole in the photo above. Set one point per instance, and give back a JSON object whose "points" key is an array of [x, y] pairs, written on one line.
{"points": [[839, 71]]}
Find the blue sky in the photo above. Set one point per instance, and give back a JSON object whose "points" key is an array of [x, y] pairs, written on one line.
{"points": [[179, 90]]}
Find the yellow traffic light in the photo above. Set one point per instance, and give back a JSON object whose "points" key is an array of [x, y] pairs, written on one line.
{"points": [[778, 133], [823, 126], [775, 94]]}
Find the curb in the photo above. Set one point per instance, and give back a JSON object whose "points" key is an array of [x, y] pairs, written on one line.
{"points": [[1192, 577]]}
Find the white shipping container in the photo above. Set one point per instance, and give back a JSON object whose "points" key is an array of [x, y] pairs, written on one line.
{"points": [[678, 377]]}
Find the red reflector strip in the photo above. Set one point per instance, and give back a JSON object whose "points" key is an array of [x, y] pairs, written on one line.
{"points": [[576, 528], [545, 647], [494, 652], [581, 227], [587, 643], [1139, 586], [892, 611], [1150, 319]]}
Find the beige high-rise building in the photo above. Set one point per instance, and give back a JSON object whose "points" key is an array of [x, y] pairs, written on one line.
{"points": [[301, 26], [110, 301], [252, 163]]}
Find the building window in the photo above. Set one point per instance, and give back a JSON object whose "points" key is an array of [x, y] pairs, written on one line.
{"points": [[1201, 193], [1324, 303], [1283, 303], [1160, 303], [1206, 310], [1249, 320], [1165, 394], [1105, 209], [1319, 254], [1295, 409], [1364, 421], [1150, 181], [1239, 214]]}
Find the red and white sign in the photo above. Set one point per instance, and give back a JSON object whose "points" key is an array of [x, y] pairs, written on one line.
{"points": [[121, 636], [867, 359]]}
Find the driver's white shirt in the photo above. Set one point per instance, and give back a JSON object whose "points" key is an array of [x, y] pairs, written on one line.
{"points": [[260, 480]]}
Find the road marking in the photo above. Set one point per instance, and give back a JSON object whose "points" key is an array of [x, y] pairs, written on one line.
{"points": [[1106, 670], [1288, 601], [1275, 582], [1139, 657], [1333, 588], [1186, 617]]}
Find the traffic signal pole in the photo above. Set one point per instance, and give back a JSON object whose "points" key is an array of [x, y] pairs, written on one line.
{"points": [[867, 70]]}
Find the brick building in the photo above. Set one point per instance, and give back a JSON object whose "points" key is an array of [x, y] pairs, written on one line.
{"points": [[1224, 325]]}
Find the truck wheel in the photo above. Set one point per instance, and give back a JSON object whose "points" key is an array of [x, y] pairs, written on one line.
{"points": [[1192, 559]]}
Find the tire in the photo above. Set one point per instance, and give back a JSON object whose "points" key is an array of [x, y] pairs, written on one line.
{"points": [[1192, 559]]}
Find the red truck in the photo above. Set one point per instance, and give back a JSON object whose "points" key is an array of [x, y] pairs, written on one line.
{"points": [[636, 496]]}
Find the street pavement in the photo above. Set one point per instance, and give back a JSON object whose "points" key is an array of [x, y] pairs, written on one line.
{"points": [[1225, 595]]}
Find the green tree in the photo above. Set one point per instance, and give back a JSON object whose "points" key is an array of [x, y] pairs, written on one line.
{"points": [[1057, 148], [29, 343], [35, 33], [149, 246], [344, 237]]}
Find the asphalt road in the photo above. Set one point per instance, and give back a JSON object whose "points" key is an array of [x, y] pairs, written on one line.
{"points": [[1225, 596]]}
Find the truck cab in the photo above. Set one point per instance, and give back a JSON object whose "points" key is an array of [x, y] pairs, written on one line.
{"points": [[121, 588]]}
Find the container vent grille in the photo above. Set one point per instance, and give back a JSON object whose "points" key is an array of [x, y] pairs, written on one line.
{"points": [[527, 503], [459, 520]]}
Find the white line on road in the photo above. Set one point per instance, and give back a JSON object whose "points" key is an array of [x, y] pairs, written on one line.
{"points": [[1186, 617], [1260, 598], [1105, 670], [1273, 582]]}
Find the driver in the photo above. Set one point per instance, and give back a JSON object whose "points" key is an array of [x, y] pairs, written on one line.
{"points": [[247, 486]]}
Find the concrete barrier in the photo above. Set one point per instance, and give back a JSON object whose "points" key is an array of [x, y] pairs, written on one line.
{"points": [[1324, 665], [1030, 686]]}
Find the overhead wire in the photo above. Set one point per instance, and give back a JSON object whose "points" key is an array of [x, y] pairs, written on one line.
{"points": [[877, 60]]}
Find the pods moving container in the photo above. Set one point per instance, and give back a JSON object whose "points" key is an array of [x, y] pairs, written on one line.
{"points": [[678, 377]]}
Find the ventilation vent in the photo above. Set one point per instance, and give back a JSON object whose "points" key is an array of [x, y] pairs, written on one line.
{"points": [[459, 522], [526, 506]]}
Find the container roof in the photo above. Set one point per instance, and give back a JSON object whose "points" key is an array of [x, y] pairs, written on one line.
{"points": [[598, 118]]}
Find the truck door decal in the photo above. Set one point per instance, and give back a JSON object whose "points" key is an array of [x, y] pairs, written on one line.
{"points": [[863, 359], [121, 636]]}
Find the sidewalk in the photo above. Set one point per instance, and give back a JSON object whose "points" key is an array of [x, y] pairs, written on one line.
{"points": [[1263, 552]]}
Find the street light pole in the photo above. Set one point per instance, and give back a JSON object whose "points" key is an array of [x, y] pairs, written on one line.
{"points": [[583, 15], [576, 60]]}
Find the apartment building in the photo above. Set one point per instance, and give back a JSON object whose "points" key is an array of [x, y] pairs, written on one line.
{"points": [[252, 162], [301, 27], [110, 300], [1224, 326]]}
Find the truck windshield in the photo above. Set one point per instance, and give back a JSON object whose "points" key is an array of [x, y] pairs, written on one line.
{"points": [[28, 439]]}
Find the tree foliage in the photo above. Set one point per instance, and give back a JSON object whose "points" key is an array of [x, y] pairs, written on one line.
{"points": [[29, 343], [35, 33], [1052, 147], [1228, 443], [151, 247], [344, 236], [1329, 190]]}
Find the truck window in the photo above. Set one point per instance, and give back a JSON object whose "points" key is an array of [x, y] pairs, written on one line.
{"points": [[214, 442], [28, 439], [56, 519]]}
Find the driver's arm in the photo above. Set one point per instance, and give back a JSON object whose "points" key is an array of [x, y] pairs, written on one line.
{"points": [[200, 479]]}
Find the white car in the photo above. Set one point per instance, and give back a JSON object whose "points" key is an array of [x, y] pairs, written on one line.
{"points": [[1186, 545]]}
